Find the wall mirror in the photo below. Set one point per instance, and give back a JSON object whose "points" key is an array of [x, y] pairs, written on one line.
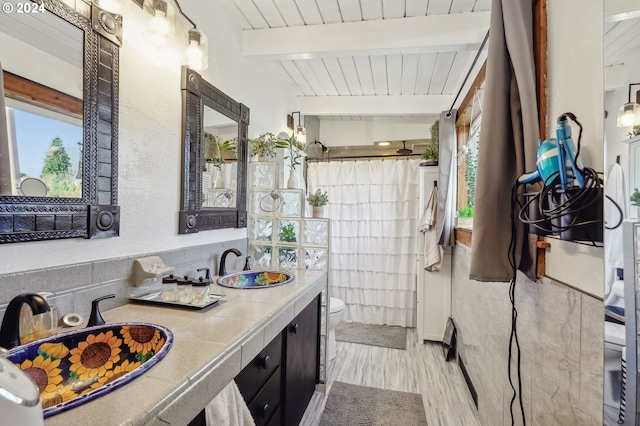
{"points": [[58, 161], [214, 157]]}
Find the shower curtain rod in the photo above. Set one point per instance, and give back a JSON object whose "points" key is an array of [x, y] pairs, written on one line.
{"points": [[368, 157], [468, 73]]}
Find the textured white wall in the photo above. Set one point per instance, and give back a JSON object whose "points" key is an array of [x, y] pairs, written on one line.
{"points": [[575, 82], [150, 145]]}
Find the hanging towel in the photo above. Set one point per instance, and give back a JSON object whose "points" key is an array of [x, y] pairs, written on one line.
{"points": [[614, 256], [228, 408], [433, 253]]}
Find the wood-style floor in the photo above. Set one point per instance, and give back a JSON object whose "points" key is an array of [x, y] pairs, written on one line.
{"points": [[419, 369]]}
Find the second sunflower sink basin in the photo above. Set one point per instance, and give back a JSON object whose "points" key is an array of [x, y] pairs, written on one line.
{"points": [[72, 368], [256, 279]]}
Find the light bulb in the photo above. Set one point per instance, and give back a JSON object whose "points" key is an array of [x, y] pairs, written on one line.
{"points": [[629, 115], [195, 56]]}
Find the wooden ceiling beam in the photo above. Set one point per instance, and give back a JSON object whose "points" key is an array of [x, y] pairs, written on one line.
{"points": [[441, 33]]}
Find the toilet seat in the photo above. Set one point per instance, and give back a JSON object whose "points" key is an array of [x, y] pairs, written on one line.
{"points": [[614, 333], [335, 305]]}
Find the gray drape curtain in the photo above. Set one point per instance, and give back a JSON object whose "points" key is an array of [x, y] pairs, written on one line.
{"points": [[447, 177], [508, 143]]}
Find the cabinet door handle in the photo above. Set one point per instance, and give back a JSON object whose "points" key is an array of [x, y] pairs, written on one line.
{"points": [[265, 410], [265, 361], [294, 328]]}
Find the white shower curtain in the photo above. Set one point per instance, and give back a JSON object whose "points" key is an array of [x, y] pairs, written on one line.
{"points": [[373, 207]]}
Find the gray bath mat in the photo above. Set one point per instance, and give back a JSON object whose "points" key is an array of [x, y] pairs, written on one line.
{"points": [[361, 405], [386, 336]]}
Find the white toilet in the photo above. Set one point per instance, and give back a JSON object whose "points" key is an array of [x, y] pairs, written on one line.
{"points": [[614, 342], [336, 311]]}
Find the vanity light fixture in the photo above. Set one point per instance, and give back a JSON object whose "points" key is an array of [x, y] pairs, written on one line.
{"points": [[163, 23], [383, 143], [299, 131], [197, 57], [629, 113]]}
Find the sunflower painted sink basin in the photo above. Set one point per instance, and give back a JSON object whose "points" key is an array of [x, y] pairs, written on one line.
{"points": [[75, 367], [256, 279]]}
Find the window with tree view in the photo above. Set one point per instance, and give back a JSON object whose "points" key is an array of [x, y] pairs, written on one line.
{"points": [[46, 146]]}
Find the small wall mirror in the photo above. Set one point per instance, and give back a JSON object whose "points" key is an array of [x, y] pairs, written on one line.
{"points": [[214, 157], [58, 163]]}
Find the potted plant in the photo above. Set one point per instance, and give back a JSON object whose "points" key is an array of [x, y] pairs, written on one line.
{"points": [[635, 199], [292, 153], [215, 152], [464, 217], [430, 155], [264, 146], [318, 201], [432, 151]]}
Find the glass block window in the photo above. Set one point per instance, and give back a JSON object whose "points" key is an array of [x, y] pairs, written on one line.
{"points": [[288, 231], [287, 257], [261, 256], [316, 260], [261, 229], [316, 232]]}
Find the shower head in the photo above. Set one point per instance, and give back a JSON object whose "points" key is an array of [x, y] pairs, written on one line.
{"points": [[404, 150]]}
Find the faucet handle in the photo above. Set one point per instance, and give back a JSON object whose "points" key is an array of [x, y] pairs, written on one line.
{"points": [[247, 267], [95, 318]]}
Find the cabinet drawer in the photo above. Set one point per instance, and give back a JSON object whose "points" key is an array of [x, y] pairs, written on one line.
{"points": [[257, 372], [267, 402]]}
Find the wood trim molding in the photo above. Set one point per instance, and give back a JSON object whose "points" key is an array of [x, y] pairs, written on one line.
{"points": [[463, 236], [540, 58], [21, 89]]}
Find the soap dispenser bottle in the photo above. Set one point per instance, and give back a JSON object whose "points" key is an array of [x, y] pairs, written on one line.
{"points": [[34, 327]]}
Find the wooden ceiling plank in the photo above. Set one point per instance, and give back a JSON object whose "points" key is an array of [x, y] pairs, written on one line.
{"points": [[310, 12], [290, 12], [444, 61], [308, 72], [335, 71], [295, 74], [330, 11], [291, 80], [350, 10], [426, 66], [393, 9], [371, 9], [394, 74], [460, 6], [462, 31], [351, 76], [459, 68], [410, 73], [482, 6], [416, 7], [363, 67], [379, 73], [439, 7], [252, 14], [321, 72], [270, 13]]}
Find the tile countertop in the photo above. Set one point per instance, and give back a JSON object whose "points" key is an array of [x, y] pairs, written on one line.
{"points": [[210, 348]]}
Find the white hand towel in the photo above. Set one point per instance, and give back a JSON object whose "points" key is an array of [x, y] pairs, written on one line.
{"points": [[228, 408]]}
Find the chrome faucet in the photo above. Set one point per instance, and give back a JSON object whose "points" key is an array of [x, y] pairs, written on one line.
{"points": [[222, 270], [10, 330]]}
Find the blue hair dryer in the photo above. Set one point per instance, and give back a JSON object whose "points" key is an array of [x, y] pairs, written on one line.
{"points": [[557, 156]]}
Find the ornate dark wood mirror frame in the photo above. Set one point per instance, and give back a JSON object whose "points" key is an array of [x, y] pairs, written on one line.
{"points": [[196, 92], [95, 214]]}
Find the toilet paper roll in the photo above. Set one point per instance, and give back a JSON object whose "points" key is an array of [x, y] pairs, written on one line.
{"points": [[72, 320]]}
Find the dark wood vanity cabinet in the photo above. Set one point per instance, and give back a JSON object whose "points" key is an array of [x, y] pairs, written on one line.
{"points": [[279, 382], [302, 360]]}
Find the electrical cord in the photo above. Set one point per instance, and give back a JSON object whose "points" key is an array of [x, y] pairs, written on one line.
{"points": [[514, 313]]}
